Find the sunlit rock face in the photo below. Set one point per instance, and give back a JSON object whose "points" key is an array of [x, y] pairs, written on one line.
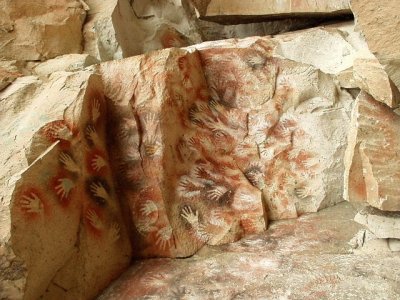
{"points": [[231, 11], [160, 154], [371, 160], [210, 143], [39, 29], [372, 22], [60, 213]]}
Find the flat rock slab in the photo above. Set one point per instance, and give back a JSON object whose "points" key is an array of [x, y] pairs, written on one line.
{"points": [[234, 10], [307, 258]]}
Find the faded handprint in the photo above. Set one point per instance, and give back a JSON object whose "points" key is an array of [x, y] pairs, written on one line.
{"points": [[98, 162], [295, 152], [92, 135], [190, 216], [216, 192], [164, 237], [69, 163], [217, 219], [64, 187], [151, 145], [145, 226], [58, 130], [148, 208], [98, 190], [31, 204], [114, 232], [303, 192], [95, 110], [94, 219]]}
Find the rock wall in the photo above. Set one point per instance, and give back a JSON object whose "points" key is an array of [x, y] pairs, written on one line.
{"points": [[164, 153]]}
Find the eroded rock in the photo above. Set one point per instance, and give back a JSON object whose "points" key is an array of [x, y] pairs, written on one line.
{"points": [[372, 172], [39, 29], [68, 62], [373, 19], [122, 28], [382, 224], [230, 11], [55, 156], [9, 71]]}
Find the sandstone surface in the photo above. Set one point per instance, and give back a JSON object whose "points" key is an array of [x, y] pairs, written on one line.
{"points": [[67, 62], [372, 164], [179, 151], [9, 71], [306, 258], [382, 224], [61, 236], [232, 10], [122, 28], [379, 22], [38, 29]]}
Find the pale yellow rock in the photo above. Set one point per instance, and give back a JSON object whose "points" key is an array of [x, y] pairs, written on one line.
{"points": [[37, 30], [379, 22]]}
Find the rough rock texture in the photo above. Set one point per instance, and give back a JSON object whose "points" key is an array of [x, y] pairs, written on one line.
{"points": [[9, 71], [372, 165], [40, 29], [371, 77], [379, 22], [382, 224], [122, 28], [171, 152], [52, 159], [307, 258], [231, 10], [68, 62], [233, 129]]}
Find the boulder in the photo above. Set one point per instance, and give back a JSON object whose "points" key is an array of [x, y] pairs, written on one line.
{"points": [[38, 30], [379, 23], [68, 63], [9, 71], [235, 10], [235, 149], [122, 28], [382, 224], [57, 228], [370, 76], [372, 172]]}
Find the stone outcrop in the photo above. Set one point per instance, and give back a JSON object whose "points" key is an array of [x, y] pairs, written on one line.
{"points": [[384, 225], [170, 153], [234, 10], [123, 28], [379, 23], [51, 134], [68, 63], [372, 164], [38, 29], [306, 258], [9, 71]]}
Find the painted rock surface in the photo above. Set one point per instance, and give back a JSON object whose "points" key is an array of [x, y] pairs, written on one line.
{"points": [[65, 221], [162, 154], [209, 144], [371, 159]]}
